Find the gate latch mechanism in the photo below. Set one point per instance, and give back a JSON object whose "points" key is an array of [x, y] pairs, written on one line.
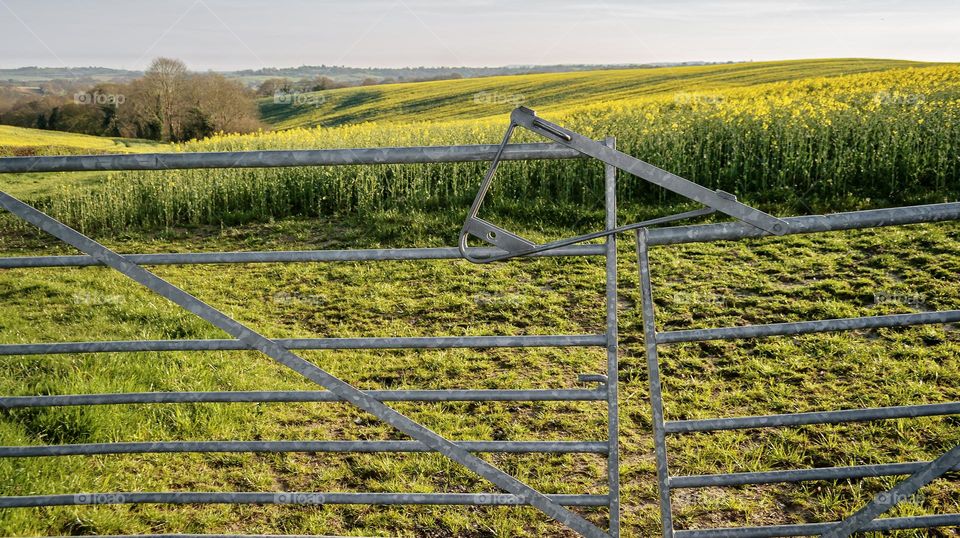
{"points": [[514, 245]]}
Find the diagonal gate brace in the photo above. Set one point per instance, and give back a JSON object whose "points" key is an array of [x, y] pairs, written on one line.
{"points": [[890, 498], [715, 201], [282, 355]]}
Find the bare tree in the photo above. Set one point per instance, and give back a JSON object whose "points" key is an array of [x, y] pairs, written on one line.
{"points": [[165, 81], [167, 103]]}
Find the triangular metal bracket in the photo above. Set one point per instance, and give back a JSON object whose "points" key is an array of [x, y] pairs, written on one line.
{"points": [[514, 245]]}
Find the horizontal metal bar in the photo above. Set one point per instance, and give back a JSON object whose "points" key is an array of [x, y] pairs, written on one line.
{"points": [[813, 417], [284, 158], [806, 327], [871, 218], [426, 342], [795, 475], [165, 447], [816, 529], [657, 236], [447, 395], [290, 256], [317, 498]]}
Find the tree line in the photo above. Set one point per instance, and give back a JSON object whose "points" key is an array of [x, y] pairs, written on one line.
{"points": [[168, 103]]}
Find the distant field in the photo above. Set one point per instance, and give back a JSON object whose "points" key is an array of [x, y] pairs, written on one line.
{"points": [[19, 141], [23, 141], [809, 144], [492, 96]]}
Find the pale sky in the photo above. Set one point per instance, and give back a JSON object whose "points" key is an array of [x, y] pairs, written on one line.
{"points": [[240, 34]]}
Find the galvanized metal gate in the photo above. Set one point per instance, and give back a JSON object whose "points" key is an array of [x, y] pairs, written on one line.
{"points": [[920, 473], [282, 351], [505, 245]]}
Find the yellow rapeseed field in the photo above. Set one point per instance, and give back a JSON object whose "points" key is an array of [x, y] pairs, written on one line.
{"points": [[888, 136]]}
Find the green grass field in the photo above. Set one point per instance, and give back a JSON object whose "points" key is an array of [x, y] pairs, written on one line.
{"points": [[794, 278], [838, 138]]}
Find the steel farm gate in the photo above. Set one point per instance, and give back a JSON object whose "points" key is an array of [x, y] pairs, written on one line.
{"points": [[501, 245]]}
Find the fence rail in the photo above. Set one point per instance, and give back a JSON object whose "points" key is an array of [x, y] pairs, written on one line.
{"points": [[283, 158]]}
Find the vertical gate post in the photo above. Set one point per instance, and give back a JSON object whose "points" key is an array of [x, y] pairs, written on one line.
{"points": [[656, 391], [613, 417]]}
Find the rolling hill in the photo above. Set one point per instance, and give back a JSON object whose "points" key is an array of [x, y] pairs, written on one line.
{"points": [[24, 141], [20, 141], [483, 97]]}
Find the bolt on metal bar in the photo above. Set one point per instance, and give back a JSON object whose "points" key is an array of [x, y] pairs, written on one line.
{"points": [[283, 158], [814, 529], [796, 475], [656, 389], [613, 368], [854, 220], [432, 342], [807, 327], [298, 364], [292, 498], [888, 499], [167, 447], [813, 417], [290, 256], [442, 395]]}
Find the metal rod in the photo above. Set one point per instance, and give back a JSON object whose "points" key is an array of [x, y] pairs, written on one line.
{"points": [[814, 529], [307, 369], [441, 342], [164, 447], [448, 395], [813, 417], [284, 158], [871, 218], [613, 368], [294, 498], [796, 475], [656, 389], [806, 327], [656, 236], [474, 210], [894, 496], [561, 243], [293, 256]]}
